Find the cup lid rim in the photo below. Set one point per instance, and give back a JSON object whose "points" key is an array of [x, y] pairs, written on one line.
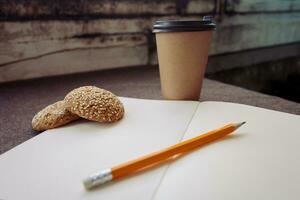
{"points": [[205, 24]]}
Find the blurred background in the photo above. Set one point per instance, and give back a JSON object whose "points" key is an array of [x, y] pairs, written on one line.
{"points": [[256, 45]]}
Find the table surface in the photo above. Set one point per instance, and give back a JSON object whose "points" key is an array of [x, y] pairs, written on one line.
{"points": [[21, 100]]}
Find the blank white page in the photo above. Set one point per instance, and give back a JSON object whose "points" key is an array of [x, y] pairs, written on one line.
{"points": [[53, 164], [261, 160]]}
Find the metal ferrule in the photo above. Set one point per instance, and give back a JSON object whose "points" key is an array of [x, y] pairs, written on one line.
{"points": [[99, 178]]}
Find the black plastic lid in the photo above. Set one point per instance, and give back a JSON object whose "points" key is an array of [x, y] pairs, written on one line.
{"points": [[206, 24]]}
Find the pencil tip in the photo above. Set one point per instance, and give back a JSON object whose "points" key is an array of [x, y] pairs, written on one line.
{"points": [[237, 125]]}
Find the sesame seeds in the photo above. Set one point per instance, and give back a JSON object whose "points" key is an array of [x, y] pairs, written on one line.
{"points": [[88, 102], [95, 104], [52, 116]]}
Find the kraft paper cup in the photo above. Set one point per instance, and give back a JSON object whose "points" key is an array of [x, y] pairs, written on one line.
{"points": [[182, 48]]}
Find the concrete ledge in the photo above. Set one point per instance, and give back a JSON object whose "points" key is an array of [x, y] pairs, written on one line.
{"points": [[21, 100], [246, 58]]}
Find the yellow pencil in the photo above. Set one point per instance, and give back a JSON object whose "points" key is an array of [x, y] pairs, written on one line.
{"points": [[158, 157]]}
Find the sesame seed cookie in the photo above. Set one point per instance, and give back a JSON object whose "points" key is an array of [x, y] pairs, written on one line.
{"points": [[52, 116], [94, 104]]}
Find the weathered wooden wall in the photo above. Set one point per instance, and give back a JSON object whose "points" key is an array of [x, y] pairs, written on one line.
{"points": [[248, 6], [41, 38]]}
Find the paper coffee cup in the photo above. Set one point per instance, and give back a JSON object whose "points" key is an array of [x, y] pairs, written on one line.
{"points": [[182, 48]]}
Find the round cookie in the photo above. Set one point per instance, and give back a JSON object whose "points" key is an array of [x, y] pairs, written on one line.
{"points": [[52, 116], [94, 104]]}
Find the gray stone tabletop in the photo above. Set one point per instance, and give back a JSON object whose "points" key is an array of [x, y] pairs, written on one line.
{"points": [[21, 100]]}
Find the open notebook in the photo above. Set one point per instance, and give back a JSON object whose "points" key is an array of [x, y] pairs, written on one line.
{"points": [[261, 160]]}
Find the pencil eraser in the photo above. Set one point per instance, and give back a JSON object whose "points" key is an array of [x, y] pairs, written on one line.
{"points": [[97, 179], [88, 183]]}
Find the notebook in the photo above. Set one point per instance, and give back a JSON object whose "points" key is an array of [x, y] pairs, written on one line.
{"points": [[261, 160]]}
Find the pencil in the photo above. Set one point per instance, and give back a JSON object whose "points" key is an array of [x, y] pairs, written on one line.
{"points": [[158, 157]]}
